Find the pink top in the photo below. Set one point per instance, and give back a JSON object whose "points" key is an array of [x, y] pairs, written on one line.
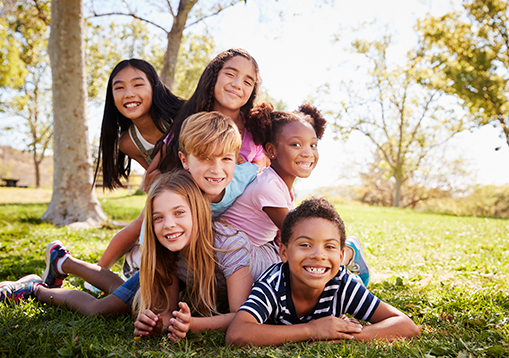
{"points": [[246, 213], [249, 150]]}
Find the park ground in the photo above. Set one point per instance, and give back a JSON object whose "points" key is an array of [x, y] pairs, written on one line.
{"points": [[450, 274]]}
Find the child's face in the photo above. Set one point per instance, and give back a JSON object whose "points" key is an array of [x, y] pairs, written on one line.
{"points": [[313, 253], [173, 221], [296, 151], [132, 93], [234, 85], [212, 174]]}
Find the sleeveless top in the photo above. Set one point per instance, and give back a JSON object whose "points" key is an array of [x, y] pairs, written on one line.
{"points": [[141, 143]]}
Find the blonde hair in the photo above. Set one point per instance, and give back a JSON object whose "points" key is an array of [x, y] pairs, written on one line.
{"points": [[202, 133], [158, 263]]}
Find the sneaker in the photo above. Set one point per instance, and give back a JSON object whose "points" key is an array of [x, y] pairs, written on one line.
{"points": [[131, 264], [52, 277], [20, 290], [358, 264]]}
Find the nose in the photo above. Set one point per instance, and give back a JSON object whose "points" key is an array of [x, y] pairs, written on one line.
{"points": [[215, 165], [128, 92], [307, 152], [169, 222], [236, 82], [317, 253]]}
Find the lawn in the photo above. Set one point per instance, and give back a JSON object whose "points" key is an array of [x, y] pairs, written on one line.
{"points": [[449, 274]]}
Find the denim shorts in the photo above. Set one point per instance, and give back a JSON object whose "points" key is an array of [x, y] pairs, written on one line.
{"points": [[128, 290]]}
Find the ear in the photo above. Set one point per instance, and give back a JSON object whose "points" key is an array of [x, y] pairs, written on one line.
{"points": [[183, 159], [342, 257], [283, 252], [271, 150]]}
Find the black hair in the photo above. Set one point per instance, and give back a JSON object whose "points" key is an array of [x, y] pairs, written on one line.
{"points": [[266, 124], [165, 105], [312, 208], [202, 100]]}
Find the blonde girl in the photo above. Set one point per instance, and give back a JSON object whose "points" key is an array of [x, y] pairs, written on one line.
{"points": [[182, 243]]}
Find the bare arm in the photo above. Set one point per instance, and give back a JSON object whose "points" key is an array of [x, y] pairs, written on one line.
{"points": [[262, 163], [277, 215], [127, 146], [239, 286], [152, 170], [245, 330], [388, 324], [121, 243]]}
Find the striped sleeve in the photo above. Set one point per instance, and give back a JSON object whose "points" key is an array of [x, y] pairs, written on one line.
{"points": [[357, 300], [236, 246], [261, 302]]}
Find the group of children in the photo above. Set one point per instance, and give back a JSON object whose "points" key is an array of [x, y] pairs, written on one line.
{"points": [[222, 244]]}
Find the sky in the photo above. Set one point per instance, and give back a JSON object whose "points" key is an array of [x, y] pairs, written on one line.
{"points": [[297, 54]]}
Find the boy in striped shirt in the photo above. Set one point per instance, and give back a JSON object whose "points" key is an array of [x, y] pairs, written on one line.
{"points": [[306, 296]]}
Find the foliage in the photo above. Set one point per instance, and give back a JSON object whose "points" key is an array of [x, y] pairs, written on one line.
{"points": [[490, 200], [469, 52], [403, 119], [27, 39], [178, 16], [448, 273]]}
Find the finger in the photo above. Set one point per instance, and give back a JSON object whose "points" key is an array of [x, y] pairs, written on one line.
{"points": [[177, 332], [179, 325], [173, 338], [142, 326], [184, 308], [147, 320], [186, 318]]}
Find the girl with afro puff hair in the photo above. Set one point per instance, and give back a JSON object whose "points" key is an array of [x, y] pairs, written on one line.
{"points": [[290, 140]]}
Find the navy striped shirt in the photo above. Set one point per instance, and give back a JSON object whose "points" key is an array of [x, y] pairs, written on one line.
{"points": [[271, 300]]}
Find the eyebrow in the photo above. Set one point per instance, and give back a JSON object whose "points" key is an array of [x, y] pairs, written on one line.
{"points": [[310, 238], [134, 79], [173, 208], [234, 69]]}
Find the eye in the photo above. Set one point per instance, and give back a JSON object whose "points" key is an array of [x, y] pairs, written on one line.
{"points": [[139, 85], [179, 212], [117, 88], [157, 218], [248, 83], [229, 74], [304, 244], [228, 159], [315, 145], [297, 145], [330, 247]]}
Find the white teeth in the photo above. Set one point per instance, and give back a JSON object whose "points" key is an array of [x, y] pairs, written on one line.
{"points": [[217, 181], [131, 105], [169, 237], [305, 165], [315, 269]]}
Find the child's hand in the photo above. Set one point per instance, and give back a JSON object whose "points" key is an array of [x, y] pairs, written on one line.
{"points": [[149, 179], [333, 328], [148, 323], [180, 323]]}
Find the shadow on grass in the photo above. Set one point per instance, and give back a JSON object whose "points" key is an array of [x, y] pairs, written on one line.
{"points": [[13, 267]]}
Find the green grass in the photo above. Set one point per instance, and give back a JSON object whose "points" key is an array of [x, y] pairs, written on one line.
{"points": [[448, 273]]}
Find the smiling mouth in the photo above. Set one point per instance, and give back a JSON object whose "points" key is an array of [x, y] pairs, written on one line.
{"points": [[233, 94], [316, 270], [173, 236], [132, 104], [215, 181], [305, 165]]}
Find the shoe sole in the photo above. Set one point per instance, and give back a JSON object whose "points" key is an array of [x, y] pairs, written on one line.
{"points": [[358, 244], [47, 258]]}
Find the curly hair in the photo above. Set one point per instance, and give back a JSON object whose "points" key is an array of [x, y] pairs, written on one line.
{"points": [[266, 124], [312, 208], [202, 100]]}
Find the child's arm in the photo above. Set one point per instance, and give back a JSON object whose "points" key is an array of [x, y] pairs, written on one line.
{"points": [[245, 330], [277, 215], [127, 146], [262, 163], [388, 324], [121, 243], [238, 286], [152, 170]]}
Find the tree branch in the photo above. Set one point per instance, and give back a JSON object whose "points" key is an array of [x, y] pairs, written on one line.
{"points": [[133, 16]]}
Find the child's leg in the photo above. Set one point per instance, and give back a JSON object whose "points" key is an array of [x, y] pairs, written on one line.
{"points": [[98, 276], [121, 243], [82, 302]]}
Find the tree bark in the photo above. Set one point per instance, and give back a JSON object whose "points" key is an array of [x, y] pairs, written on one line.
{"points": [[73, 200], [174, 39]]}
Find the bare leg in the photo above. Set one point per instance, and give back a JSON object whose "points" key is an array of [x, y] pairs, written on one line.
{"points": [[82, 302], [100, 277]]}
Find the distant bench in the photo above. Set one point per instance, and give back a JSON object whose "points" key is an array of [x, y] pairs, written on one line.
{"points": [[11, 183]]}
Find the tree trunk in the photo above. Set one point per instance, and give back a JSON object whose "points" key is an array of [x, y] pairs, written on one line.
{"points": [[37, 171], [397, 191], [174, 39], [73, 199]]}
